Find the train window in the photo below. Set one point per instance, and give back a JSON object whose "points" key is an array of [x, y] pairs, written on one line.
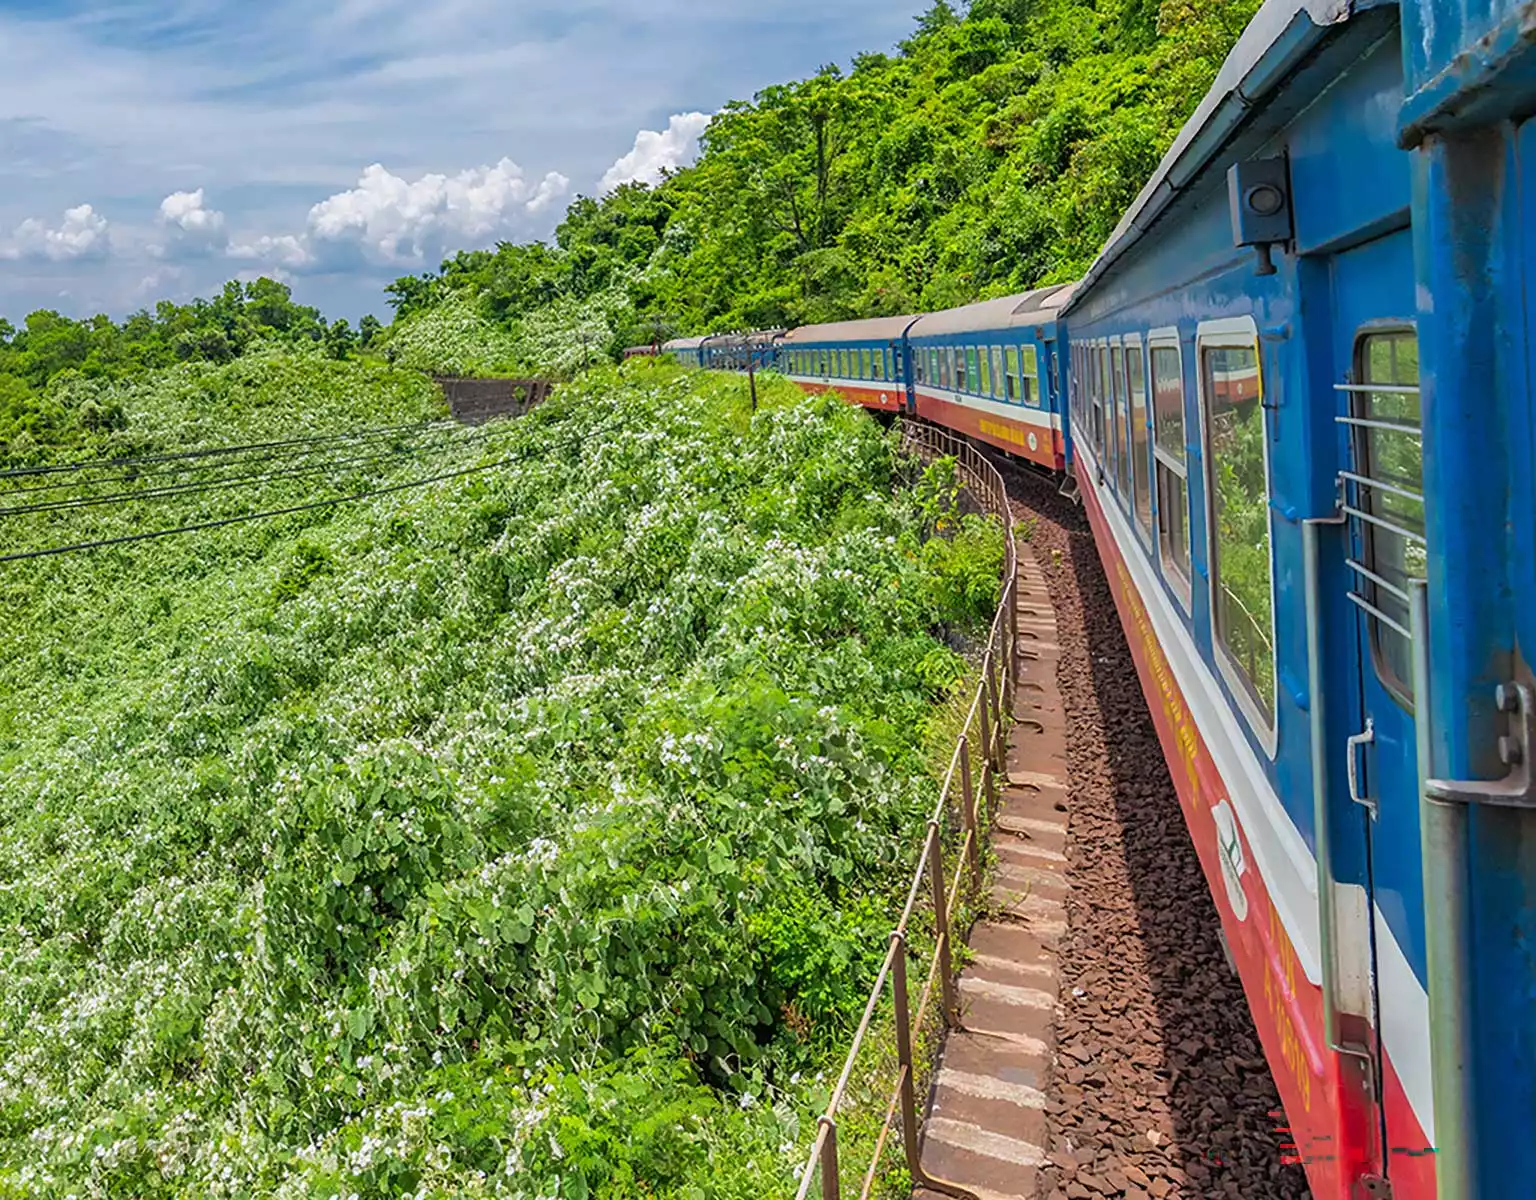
{"points": [[1136, 386], [1029, 375], [879, 364], [1388, 483], [1122, 455], [1011, 373], [866, 366], [934, 376], [998, 390], [1171, 467], [972, 372], [984, 372], [1237, 487]]}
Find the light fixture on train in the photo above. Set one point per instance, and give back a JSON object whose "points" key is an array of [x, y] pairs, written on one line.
{"points": [[1259, 192]]}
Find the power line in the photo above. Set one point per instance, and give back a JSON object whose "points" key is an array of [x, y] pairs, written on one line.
{"points": [[105, 464], [252, 479], [201, 526], [236, 455]]}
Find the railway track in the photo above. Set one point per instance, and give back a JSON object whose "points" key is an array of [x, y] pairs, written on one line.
{"points": [[1160, 1088]]}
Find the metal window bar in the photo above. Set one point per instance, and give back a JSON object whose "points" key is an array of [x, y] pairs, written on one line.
{"points": [[1390, 389], [1378, 423], [984, 732], [1361, 602], [1382, 485], [1382, 523], [1385, 585]]}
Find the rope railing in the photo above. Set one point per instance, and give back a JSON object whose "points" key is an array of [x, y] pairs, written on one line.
{"points": [[984, 733]]}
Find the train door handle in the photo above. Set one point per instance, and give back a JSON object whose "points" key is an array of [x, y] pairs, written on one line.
{"points": [[1355, 745]]}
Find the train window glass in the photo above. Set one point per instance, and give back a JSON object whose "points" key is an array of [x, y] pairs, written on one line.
{"points": [[1172, 470], [1011, 373], [1389, 453], [972, 372], [880, 371], [957, 369], [1136, 385], [1029, 375], [1237, 484], [999, 389], [984, 372], [1122, 456], [866, 367], [935, 376]]}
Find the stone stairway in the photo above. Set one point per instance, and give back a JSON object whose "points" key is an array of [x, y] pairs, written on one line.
{"points": [[986, 1125]]}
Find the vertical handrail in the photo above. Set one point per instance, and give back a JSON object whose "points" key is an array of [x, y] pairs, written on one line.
{"points": [[984, 732]]}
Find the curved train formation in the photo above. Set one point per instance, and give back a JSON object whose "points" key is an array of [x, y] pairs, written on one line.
{"points": [[1294, 392]]}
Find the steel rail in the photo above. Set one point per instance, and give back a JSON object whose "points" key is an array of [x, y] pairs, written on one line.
{"points": [[982, 735]]}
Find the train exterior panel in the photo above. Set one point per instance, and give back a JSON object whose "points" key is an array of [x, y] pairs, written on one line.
{"points": [[1274, 463], [863, 361], [991, 370]]}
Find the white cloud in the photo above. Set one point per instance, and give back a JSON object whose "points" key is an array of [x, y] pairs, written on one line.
{"points": [[395, 221], [656, 152], [188, 226], [284, 250], [82, 234]]}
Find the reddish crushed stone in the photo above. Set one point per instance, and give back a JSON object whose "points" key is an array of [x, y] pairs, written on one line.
{"points": [[1161, 1088]]}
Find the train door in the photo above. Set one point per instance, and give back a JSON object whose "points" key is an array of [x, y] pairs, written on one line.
{"points": [[1377, 408]]}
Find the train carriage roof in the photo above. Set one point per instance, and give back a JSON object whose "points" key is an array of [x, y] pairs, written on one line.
{"points": [[1282, 36], [874, 329], [1006, 312], [692, 343]]}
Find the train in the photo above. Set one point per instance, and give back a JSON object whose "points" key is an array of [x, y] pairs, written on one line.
{"points": [[1293, 394]]}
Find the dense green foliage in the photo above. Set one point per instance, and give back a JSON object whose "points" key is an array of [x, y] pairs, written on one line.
{"points": [[994, 151], [531, 834], [40, 408]]}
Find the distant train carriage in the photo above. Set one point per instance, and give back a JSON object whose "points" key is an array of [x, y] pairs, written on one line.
{"points": [[685, 351], [991, 370], [864, 361], [640, 352]]}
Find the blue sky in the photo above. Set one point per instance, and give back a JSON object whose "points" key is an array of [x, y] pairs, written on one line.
{"points": [[151, 149]]}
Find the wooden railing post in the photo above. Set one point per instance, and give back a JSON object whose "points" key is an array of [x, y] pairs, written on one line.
{"points": [[909, 1134]]}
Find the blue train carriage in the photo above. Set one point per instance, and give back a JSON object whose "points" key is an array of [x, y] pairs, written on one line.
{"points": [[991, 370], [863, 361], [1300, 379], [684, 350]]}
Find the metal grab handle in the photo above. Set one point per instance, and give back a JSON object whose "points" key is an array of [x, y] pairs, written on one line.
{"points": [[1355, 743]]}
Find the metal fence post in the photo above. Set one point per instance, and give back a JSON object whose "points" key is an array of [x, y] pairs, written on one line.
{"points": [[987, 752], [909, 1135], [831, 1184], [968, 813], [948, 999]]}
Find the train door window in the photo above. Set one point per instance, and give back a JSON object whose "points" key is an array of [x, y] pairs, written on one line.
{"points": [[1011, 373], [1055, 387], [1237, 499], [1388, 483], [1122, 424], [983, 372], [1136, 386], [1171, 466], [1029, 375]]}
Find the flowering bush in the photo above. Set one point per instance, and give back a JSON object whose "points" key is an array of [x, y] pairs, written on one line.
{"points": [[530, 834]]}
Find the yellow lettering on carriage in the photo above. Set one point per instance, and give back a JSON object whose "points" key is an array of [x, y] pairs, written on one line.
{"points": [[1008, 433]]}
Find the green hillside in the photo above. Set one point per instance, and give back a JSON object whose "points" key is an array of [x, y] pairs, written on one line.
{"points": [[989, 153]]}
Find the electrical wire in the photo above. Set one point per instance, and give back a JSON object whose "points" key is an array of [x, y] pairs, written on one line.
{"points": [[104, 464], [197, 487], [126, 539], [237, 455]]}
